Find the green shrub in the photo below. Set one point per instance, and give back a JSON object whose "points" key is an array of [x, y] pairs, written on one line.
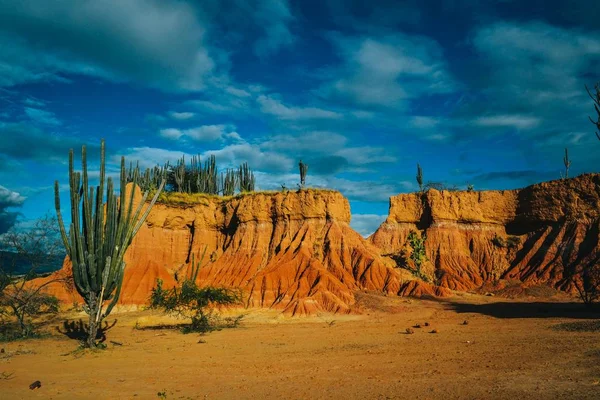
{"points": [[417, 244], [192, 302]]}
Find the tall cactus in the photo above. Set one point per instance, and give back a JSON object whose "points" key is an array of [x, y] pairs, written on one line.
{"points": [[246, 178], [303, 170], [567, 163], [420, 177], [228, 182], [180, 175], [99, 236]]}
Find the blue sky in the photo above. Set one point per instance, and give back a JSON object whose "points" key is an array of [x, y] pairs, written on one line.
{"points": [[481, 92]]}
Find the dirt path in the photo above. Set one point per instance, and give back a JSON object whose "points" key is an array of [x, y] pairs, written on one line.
{"points": [[507, 350]]}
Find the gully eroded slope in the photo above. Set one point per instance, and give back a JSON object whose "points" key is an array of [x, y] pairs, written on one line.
{"points": [[293, 251], [542, 234]]}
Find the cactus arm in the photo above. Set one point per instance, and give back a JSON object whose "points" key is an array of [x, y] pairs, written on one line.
{"points": [[61, 224]]}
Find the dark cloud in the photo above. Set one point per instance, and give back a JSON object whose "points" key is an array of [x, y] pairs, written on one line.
{"points": [[511, 179], [21, 141], [9, 199], [156, 43], [328, 165]]}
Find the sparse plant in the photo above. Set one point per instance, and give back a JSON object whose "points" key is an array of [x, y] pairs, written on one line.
{"points": [[470, 188], [303, 170], [192, 302], [99, 236], [19, 297], [420, 177]]}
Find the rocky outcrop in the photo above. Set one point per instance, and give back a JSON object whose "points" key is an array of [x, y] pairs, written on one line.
{"points": [[293, 251], [542, 234]]}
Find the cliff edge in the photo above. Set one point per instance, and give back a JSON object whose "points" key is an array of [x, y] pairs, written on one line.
{"points": [[542, 234]]}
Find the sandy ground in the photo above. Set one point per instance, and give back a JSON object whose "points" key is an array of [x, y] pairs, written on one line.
{"points": [[508, 350]]}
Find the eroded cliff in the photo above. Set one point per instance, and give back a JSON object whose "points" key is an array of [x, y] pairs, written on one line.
{"points": [[542, 234], [293, 251]]}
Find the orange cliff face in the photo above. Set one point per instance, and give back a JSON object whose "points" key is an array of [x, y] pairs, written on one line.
{"points": [[293, 251], [542, 234]]}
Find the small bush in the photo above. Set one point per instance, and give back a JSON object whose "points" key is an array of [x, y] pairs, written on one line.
{"points": [[192, 302], [417, 244], [589, 287]]}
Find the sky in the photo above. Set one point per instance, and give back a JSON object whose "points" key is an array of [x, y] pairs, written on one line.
{"points": [[487, 93]]}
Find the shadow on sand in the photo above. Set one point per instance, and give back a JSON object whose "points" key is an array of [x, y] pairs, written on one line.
{"points": [[528, 310], [77, 330]]}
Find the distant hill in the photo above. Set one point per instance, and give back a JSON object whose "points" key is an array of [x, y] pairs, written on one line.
{"points": [[15, 264]]}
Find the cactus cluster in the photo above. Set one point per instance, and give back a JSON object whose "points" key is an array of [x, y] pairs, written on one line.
{"points": [[151, 178], [99, 235], [246, 178], [196, 177]]}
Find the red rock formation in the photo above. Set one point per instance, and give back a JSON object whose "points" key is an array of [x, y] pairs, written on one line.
{"points": [[292, 251], [543, 234]]}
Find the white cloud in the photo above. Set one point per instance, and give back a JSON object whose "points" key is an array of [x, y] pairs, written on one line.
{"points": [[149, 157], [204, 133], [275, 107], [510, 121], [235, 154], [171, 133], [424, 122], [316, 141], [536, 64], [181, 116], [366, 224], [388, 71], [42, 116], [8, 198], [365, 155]]}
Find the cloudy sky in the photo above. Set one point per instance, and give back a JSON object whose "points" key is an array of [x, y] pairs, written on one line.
{"points": [[481, 92]]}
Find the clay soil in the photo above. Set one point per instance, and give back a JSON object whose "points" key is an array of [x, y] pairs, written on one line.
{"points": [[508, 349]]}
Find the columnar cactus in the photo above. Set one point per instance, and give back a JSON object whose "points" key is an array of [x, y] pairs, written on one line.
{"points": [[228, 182], [99, 236], [420, 177], [303, 170], [567, 163], [246, 178]]}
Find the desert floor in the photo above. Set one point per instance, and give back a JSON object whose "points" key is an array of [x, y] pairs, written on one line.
{"points": [[509, 349]]}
